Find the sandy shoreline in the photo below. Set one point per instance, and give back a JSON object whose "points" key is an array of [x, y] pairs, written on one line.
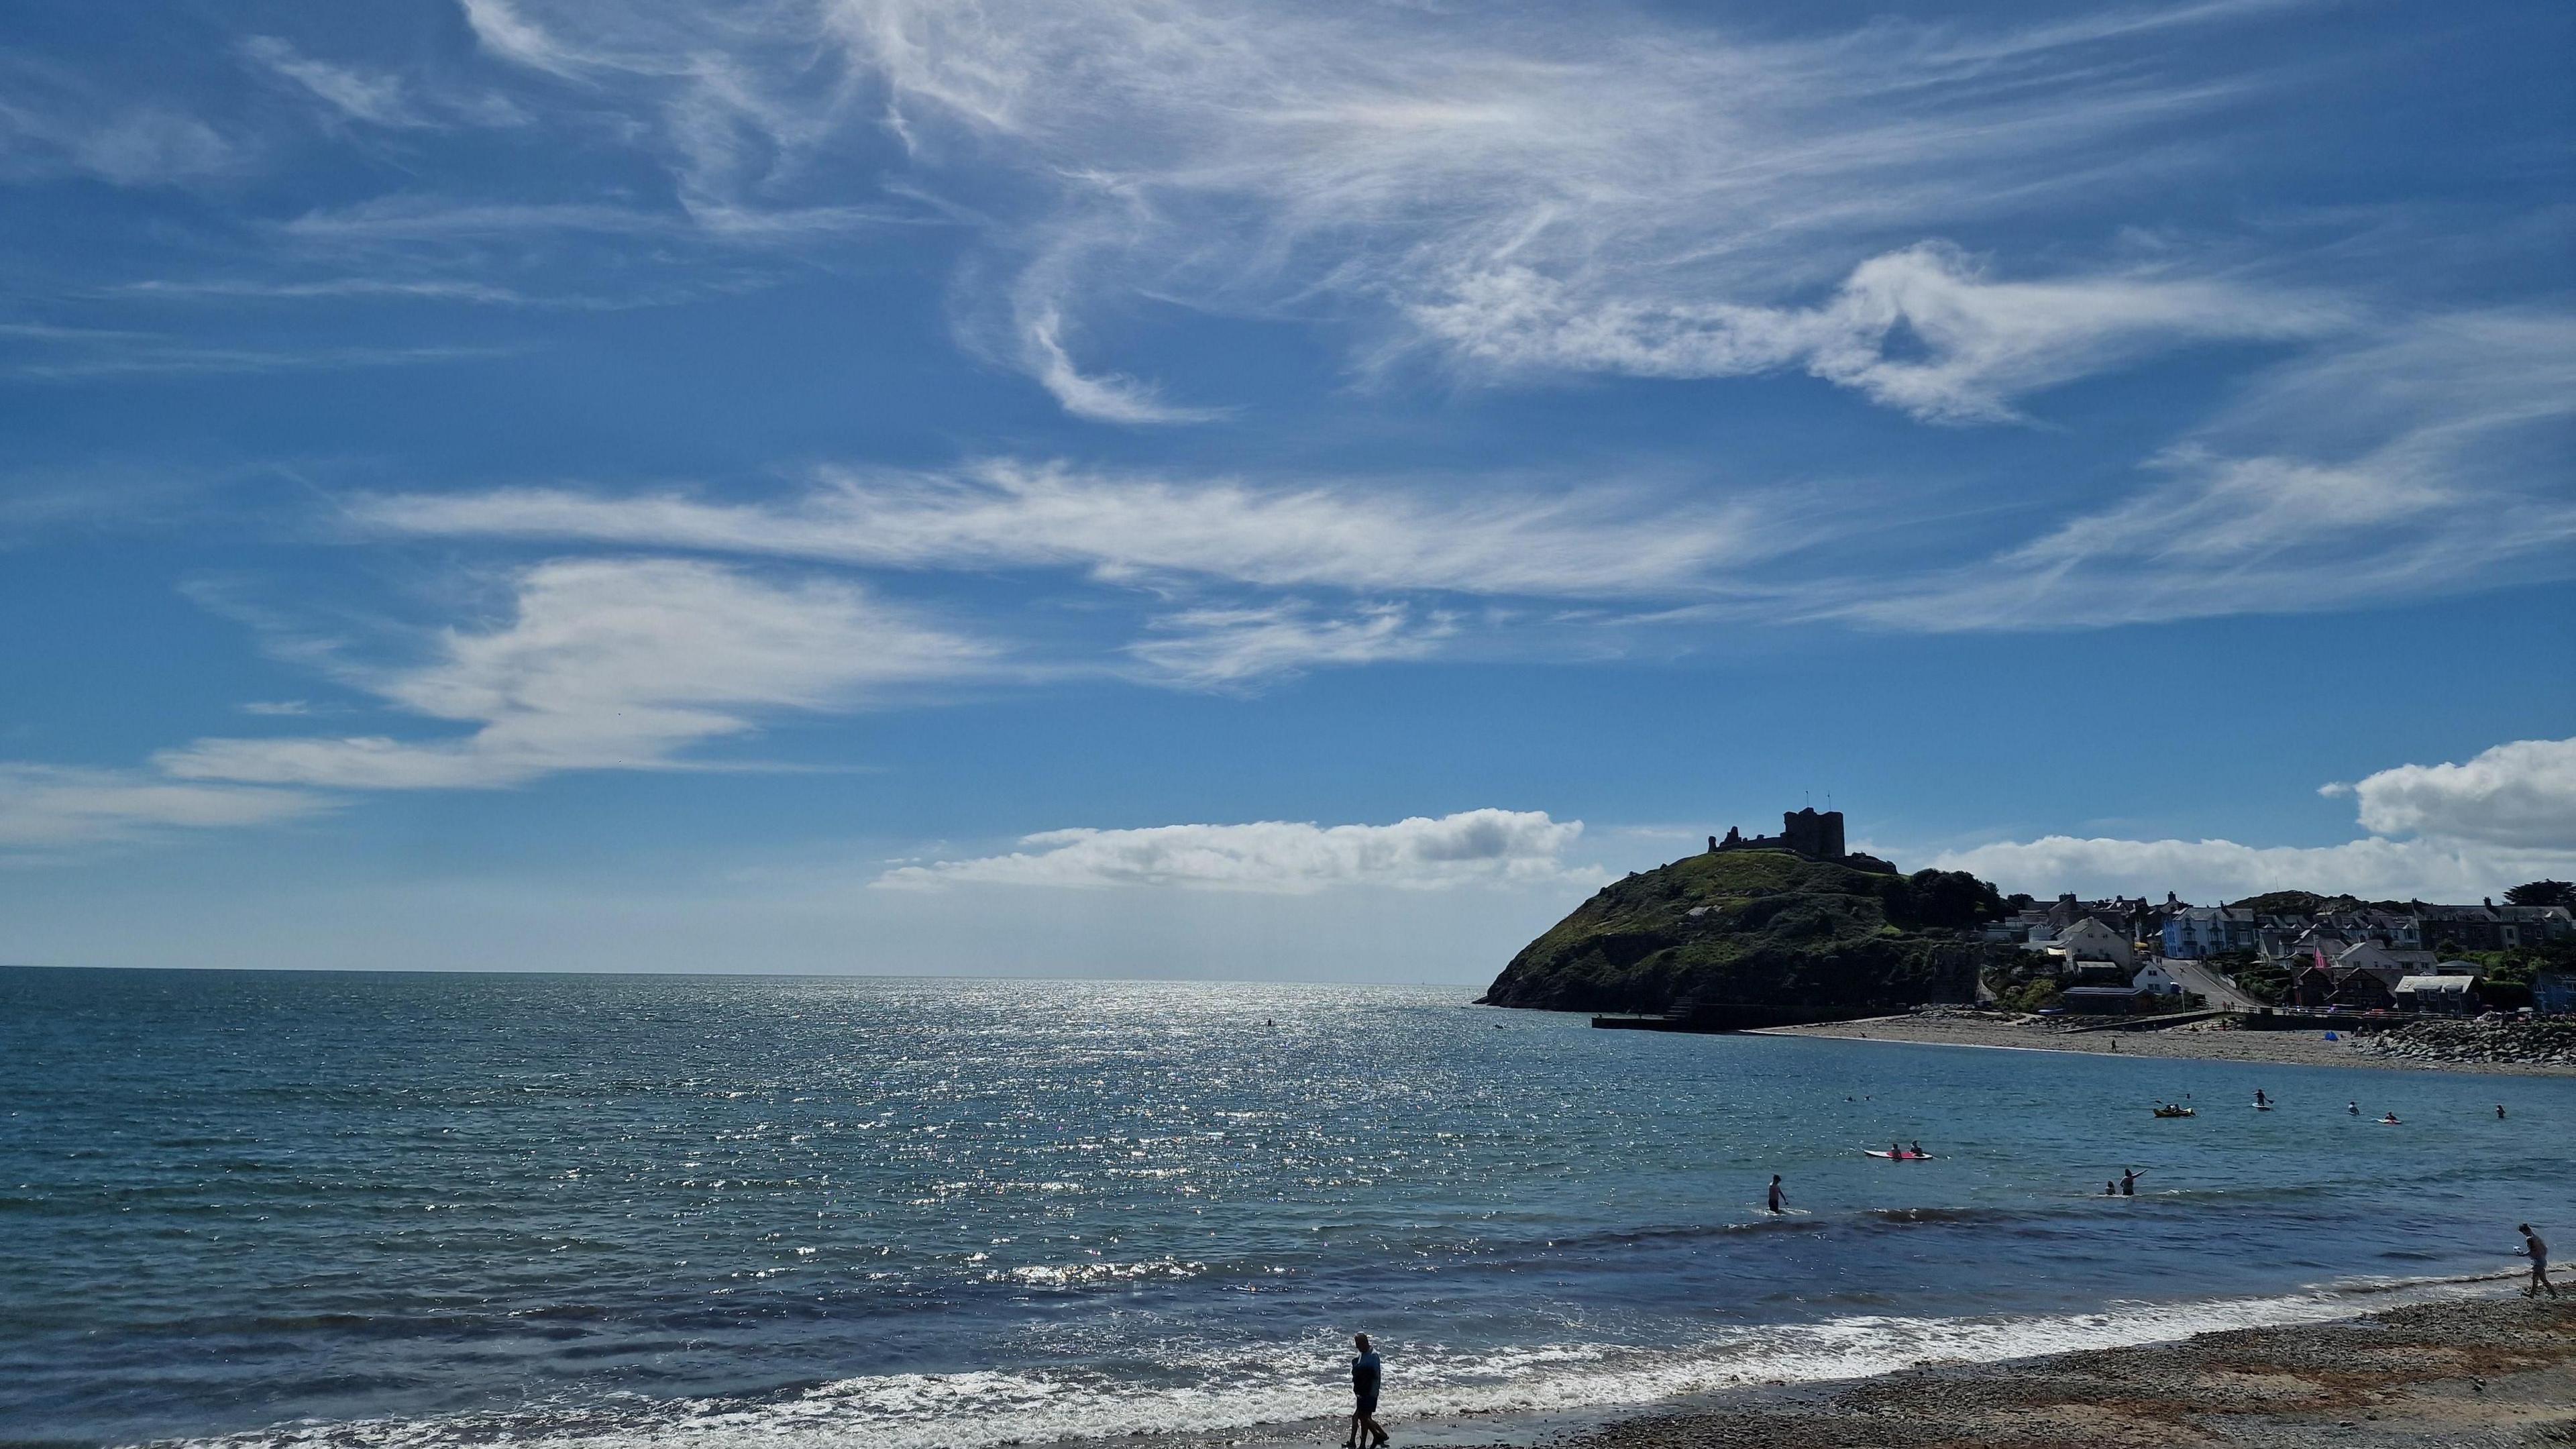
{"points": [[2491, 1369], [2201, 1042], [2483, 1371]]}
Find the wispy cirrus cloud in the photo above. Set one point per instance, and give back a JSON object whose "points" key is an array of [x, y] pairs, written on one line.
{"points": [[1474, 847], [1231, 648], [608, 664], [49, 808], [1357, 534], [1461, 193], [353, 92], [99, 355], [1102, 397], [1981, 342], [2428, 458], [55, 123]]}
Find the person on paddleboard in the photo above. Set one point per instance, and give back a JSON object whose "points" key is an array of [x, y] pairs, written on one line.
{"points": [[2128, 1182], [1776, 1195], [2260, 1100], [1919, 1152]]}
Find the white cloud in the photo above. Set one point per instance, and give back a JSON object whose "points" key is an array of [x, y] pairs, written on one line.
{"points": [[358, 94], [2207, 871], [2506, 816], [1108, 398], [502, 30], [2518, 795], [1983, 342], [1475, 847], [611, 664], [1544, 191], [48, 807], [1222, 648], [125, 354], [1344, 535], [52, 125], [2430, 458]]}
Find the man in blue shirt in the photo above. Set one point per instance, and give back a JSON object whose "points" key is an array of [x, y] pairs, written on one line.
{"points": [[1364, 1381]]}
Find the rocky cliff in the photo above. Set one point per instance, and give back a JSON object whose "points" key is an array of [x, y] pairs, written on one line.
{"points": [[1764, 929]]}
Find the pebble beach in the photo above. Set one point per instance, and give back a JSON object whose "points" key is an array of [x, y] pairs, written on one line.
{"points": [[2201, 1041], [2459, 1375]]}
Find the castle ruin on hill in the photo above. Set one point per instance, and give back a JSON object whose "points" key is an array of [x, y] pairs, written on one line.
{"points": [[1815, 834]]}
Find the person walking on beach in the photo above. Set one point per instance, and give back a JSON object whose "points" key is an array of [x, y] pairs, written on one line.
{"points": [[1365, 1375], [1776, 1208], [2538, 1252]]}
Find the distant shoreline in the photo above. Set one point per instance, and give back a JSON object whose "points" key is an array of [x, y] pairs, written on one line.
{"points": [[2195, 1043]]}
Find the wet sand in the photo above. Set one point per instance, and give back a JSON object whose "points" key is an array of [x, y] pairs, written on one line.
{"points": [[2461, 1375], [2200, 1041]]}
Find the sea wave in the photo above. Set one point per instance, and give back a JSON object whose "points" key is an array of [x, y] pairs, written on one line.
{"points": [[1244, 1388]]}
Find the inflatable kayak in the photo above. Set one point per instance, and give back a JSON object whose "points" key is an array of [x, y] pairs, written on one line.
{"points": [[1900, 1156]]}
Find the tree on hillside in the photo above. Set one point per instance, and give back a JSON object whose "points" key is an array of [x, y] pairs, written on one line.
{"points": [[2283, 903], [2543, 893], [2261, 980]]}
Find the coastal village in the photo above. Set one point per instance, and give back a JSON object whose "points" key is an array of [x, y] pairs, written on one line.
{"points": [[2286, 951], [2289, 950]]}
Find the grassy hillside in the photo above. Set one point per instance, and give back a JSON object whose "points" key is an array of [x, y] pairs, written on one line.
{"points": [[1758, 927]]}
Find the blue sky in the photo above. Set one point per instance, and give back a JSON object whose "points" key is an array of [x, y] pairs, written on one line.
{"points": [[1222, 489]]}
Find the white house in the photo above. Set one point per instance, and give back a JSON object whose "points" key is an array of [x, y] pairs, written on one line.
{"points": [[2389, 965], [2437, 993], [2156, 981], [2089, 940]]}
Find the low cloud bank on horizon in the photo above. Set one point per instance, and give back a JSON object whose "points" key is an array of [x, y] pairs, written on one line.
{"points": [[2471, 829], [1473, 847]]}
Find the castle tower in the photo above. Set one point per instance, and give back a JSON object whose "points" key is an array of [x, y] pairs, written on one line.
{"points": [[1813, 833]]}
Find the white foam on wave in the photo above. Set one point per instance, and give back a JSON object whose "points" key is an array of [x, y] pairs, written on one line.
{"points": [[1242, 1391]]}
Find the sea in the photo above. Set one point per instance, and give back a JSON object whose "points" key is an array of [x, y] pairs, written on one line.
{"points": [[413, 1211]]}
